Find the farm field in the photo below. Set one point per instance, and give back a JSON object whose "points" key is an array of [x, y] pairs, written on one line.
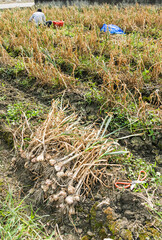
{"points": [[80, 110]]}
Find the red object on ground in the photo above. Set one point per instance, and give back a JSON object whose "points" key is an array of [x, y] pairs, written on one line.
{"points": [[122, 185], [58, 24]]}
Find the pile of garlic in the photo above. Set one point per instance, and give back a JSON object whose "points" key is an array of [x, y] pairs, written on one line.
{"points": [[62, 197]]}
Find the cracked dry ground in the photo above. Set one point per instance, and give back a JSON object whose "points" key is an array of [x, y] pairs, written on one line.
{"points": [[105, 213]]}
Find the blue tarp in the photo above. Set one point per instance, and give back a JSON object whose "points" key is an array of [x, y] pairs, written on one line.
{"points": [[113, 29]]}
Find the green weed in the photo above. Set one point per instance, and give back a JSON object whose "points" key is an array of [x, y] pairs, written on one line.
{"points": [[19, 67], [15, 111], [146, 75], [18, 220], [93, 94]]}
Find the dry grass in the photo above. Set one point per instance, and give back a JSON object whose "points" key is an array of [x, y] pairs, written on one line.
{"points": [[81, 45]]}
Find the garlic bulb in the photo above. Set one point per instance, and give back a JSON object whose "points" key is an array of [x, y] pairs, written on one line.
{"points": [[40, 157], [23, 155], [72, 210], [34, 160], [62, 208], [77, 198], [63, 193], [61, 198], [13, 160], [60, 174], [48, 156], [55, 197], [26, 165], [54, 186], [57, 168], [71, 189], [50, 192], [69, 199], [45, 187], [69, 174], [51, 199], [48, 182], [52, 162]]}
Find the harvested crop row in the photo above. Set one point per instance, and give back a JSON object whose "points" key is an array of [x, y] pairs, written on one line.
{"points": [[67, 158]]}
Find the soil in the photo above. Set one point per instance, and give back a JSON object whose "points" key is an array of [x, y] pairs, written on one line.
{"points": [[105, 213]]}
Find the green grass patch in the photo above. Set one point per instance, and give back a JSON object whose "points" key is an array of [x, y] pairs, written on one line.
{"points": [[19, 221]]}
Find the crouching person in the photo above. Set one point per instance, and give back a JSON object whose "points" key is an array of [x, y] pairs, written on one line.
{"points": [[48, 23], [38, 17]]}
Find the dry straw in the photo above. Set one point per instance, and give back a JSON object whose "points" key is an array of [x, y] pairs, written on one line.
{"points": [[79, 42], [67, 158]]}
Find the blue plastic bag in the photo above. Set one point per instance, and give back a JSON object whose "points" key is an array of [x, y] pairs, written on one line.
{"points": [[113, 29]]}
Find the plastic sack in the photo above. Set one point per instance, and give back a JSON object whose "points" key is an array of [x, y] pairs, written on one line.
{"points": [[113, 29], [58, 24]]}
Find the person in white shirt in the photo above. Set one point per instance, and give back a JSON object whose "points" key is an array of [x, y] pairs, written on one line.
{"points": [[38, 17]]}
